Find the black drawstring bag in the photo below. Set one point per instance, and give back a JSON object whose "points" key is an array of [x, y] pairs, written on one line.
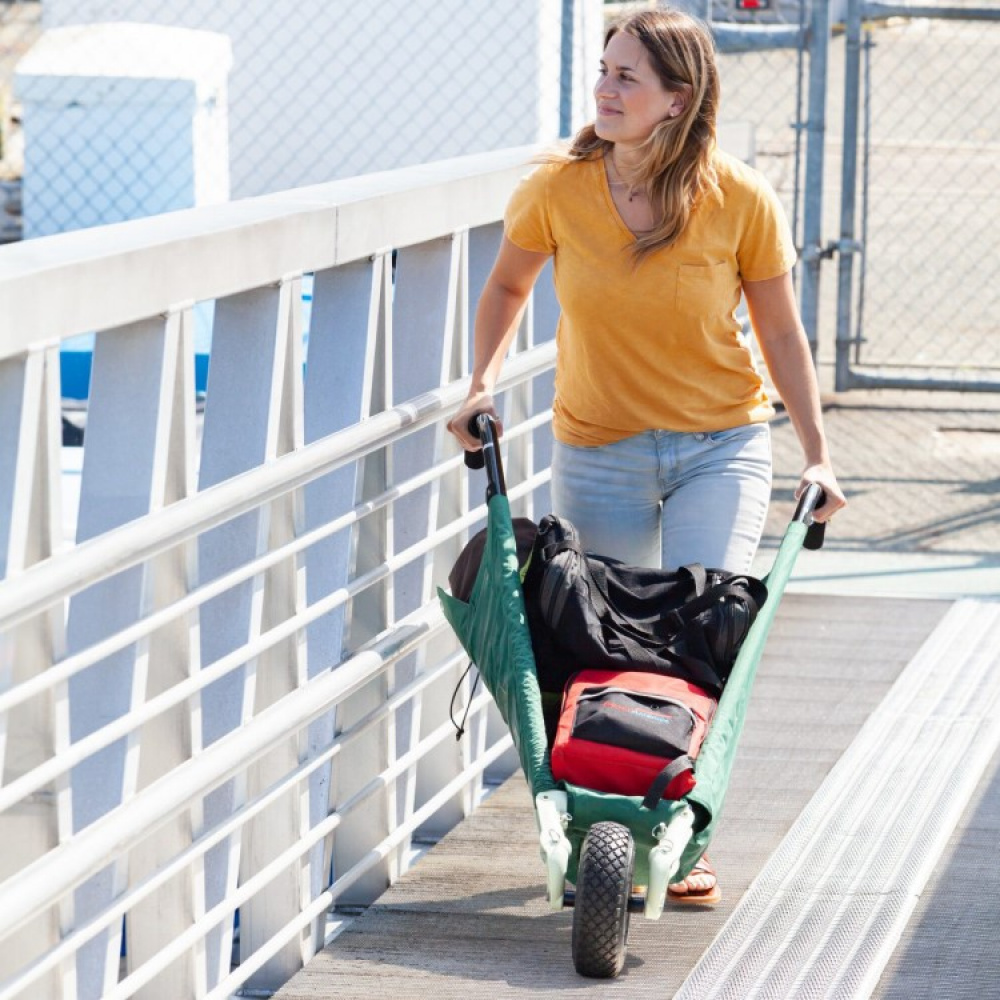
{"points": [[463, 573], [589, 611]]}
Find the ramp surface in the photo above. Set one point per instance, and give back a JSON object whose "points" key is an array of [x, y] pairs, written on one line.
{"points": [[471, 920], [826, 912]]}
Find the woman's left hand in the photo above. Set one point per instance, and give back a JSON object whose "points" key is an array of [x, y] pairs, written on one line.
{"points": [[834, 500]]}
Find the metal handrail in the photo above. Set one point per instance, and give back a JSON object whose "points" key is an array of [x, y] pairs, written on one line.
{"points": [[100, 739], [233, 718], [206, 841], [74, 664], [31, 591], [30, 891]]}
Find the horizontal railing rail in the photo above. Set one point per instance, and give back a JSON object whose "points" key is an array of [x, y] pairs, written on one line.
{"points": [[72, 665], [51, 288], [33, 590]]}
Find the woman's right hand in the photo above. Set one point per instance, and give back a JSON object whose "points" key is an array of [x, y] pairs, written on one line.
{"points": [[475, 403]]}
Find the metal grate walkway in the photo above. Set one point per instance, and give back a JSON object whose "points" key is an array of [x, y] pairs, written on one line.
{"points": [[827, 910]]}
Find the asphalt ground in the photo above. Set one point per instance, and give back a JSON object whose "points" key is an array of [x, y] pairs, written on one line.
{"points": [[921, 471]]}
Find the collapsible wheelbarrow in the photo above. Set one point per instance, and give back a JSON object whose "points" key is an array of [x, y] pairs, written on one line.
{"points": [[599, 848]]}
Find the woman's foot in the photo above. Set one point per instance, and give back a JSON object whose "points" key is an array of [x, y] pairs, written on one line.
{"points": [[701, 885]]}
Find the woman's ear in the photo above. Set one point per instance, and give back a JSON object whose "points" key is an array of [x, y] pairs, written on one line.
{"points": [[680, 101]]}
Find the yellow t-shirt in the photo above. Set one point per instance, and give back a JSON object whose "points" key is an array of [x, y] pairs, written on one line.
{"points": [[656, 346]]}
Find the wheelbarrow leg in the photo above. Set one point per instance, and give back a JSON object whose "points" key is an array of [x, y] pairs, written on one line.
{"points": [[665, 859], [550, 811]]}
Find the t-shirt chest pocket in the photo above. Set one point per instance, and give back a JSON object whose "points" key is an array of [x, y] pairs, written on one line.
{"points": [[706, 289]]}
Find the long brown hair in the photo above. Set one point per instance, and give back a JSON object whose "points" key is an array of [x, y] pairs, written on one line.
{"points": [[676, 164]]}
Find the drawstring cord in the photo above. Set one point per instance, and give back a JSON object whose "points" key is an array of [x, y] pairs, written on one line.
{"points": [[460, 727]]}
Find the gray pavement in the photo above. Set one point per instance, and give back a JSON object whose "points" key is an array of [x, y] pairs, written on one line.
{"points": [[922, 475]]}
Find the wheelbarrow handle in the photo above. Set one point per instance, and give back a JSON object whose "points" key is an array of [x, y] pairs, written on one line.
{"points": [[484, 427], [812, 497]]}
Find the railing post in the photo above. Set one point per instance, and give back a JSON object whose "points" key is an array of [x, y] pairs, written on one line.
{"points": [[239, 434], [431, 292], [172, 654], [30, 512], [280, 671], [130, 467], [372, 610], [343, 341]]}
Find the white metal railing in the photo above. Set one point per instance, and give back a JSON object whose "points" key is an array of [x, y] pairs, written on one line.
{"points": [[229, 692]]}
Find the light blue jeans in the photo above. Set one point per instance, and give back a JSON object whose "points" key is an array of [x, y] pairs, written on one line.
{"points": [[667, 498]]}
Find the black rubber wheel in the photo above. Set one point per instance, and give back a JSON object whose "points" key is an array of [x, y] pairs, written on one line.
{"points": [[600, 912]]}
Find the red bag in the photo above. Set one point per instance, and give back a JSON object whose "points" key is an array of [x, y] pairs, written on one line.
{"points": [[632, 733]]}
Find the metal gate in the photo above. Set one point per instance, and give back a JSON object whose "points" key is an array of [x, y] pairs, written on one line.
{"points": [[773, 64], [918, 289]]}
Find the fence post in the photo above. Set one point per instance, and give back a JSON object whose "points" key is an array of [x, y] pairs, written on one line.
{"points": [[848, 187], [812, 235], [566, 68]]}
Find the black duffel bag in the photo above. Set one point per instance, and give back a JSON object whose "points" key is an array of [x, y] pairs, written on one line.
{"points": [[590, 611]]}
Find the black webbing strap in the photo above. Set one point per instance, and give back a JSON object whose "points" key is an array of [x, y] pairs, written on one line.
{"points": [[698, 575], [663, 779], [704, 599], [550, 550]]}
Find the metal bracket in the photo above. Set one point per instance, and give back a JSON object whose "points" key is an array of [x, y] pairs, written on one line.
{"points": [[552, 817], [811, 254], [665, 857], [814, 253]]}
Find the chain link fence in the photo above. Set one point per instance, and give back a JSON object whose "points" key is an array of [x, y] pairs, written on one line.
{"points": [[315, 91], [255, 96], [926, 298], [277, 95]]}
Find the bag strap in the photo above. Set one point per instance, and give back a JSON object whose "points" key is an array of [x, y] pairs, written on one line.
{"points": [[685, 620], [698, 575], [662, 781], [700, 670], [550, 550], [705, 597]]}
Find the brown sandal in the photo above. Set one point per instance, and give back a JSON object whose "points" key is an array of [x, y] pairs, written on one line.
{"points": [[680, 893]]}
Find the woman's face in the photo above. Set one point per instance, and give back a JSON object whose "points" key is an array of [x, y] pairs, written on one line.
{"points": [[631, 100]]}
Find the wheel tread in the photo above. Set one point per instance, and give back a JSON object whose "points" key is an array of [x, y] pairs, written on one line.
{"points": [[600, 916]]}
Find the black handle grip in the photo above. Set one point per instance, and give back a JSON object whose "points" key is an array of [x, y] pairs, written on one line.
{"points": [[474, 459], [812, 497], [484, 427]]}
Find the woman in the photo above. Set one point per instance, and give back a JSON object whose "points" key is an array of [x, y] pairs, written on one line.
{"points": [[662, 453]]}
